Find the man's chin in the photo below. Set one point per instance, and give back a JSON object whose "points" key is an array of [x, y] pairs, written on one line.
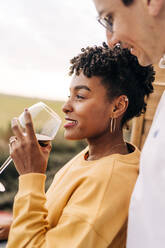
{"points": [[144, 61]]}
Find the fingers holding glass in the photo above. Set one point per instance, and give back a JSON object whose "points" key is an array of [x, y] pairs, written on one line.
{"points": [[24, 146], [12, 140], [17, 129], [29, 125]]}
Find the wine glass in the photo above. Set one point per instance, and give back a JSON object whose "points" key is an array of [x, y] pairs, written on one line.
{"points": [[46, 123]]}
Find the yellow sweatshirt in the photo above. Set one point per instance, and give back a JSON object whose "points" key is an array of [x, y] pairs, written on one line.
{"points": [[86, 206]]}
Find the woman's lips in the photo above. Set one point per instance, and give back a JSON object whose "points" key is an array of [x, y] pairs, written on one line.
{"points": [[70, 123]]}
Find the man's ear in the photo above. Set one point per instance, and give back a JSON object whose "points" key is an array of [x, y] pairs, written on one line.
{"points": [[155, 6]]}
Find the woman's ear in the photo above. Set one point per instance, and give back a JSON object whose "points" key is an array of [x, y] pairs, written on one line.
{"points": [[155, 6], [120, 106]]}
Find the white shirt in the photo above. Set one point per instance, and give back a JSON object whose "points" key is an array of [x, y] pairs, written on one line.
{"points": [[146, 224]]}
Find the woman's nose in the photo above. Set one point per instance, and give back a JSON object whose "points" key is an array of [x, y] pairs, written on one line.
{"points": [[67, 107]]}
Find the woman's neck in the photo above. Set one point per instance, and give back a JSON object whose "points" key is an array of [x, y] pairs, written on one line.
{"points": [[104, 146]]}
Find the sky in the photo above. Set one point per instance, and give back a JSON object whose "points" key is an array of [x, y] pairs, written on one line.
{"points": [[37, 40]]}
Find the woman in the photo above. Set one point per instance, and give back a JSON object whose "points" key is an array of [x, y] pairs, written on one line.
{"points": [[87, 203]]}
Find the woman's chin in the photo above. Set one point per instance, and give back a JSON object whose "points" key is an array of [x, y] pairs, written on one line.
{"points": [[71, 137]]}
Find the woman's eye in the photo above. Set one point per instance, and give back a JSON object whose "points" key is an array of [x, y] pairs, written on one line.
{"points": [[79, 97]]}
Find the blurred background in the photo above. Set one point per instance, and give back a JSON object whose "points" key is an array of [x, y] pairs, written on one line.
{"points": [[37, 40]]}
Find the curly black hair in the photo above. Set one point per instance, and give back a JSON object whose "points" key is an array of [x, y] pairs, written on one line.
{"points": [[121, 75]]}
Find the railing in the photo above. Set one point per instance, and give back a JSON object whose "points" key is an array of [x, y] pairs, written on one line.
{"points": [[141, 125]]}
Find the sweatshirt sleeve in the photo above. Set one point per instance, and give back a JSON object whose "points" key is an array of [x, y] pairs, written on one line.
{"points": [[30, 227]]}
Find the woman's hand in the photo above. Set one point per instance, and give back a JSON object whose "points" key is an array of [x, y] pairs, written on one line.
{"points": [[27, 154], [5, 223], [4, 231]]}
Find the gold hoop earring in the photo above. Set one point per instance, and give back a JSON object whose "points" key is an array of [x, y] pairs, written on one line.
{"points": [[113, 125]]}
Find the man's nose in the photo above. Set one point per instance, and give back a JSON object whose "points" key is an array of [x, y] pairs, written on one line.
{"points": [[111, 40]]}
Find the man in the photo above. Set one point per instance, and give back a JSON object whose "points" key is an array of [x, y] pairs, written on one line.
{"points": [[140, 26], [137, 24]]}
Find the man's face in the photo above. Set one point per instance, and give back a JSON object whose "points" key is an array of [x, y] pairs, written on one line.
{"points": [[134, 27]]}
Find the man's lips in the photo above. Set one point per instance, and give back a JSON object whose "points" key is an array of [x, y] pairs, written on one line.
{"points": [[132, 50], [70, 122]]}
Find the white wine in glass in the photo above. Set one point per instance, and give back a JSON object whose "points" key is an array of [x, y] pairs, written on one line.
{"points": [[46, 124]]}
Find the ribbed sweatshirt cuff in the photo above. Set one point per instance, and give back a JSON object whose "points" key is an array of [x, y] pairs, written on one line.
{"points": [[31, 182]]}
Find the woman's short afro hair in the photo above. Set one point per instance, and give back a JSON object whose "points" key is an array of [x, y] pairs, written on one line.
{"points": [[121, 74]]}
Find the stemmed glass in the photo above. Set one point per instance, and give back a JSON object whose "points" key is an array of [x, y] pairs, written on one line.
{"points": [[46, 123]]}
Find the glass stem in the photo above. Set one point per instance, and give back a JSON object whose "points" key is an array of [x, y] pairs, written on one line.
{"points": [[5, 164]]}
